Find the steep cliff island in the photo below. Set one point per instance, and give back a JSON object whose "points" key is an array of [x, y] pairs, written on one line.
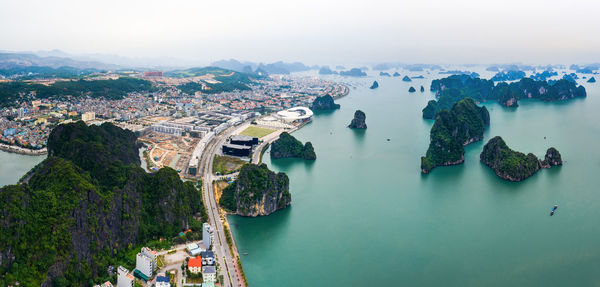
{"points": [[86, 206], [452, 130], [513, 165], [457, 87], [324, 103], [375, 85], [257, 191], [288, 146], [358, 122]]}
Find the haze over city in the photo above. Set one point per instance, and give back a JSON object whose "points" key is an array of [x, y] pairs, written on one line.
{"points": [[314, 32]]}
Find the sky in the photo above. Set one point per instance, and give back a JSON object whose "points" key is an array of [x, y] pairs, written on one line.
{"points": [[313, 32]]}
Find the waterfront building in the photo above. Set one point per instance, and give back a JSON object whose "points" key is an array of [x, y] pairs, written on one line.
{"points": [[208, 258], [243, 140], [124, 278], [237, 150]]}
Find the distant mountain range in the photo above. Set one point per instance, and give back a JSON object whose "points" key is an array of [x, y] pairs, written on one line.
{"points": [[20, 60], [272, 68]]}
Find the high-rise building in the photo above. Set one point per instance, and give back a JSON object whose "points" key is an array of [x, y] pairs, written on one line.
{"points": [[124, 278], [206, 235]]}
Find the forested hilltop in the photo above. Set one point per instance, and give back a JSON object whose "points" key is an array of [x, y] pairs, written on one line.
{"points": [[457, 87], [88, 206], [11, 93]]}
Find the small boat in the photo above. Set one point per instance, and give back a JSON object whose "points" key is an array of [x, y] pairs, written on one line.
{"points": [[245, 253], [553, 210]]}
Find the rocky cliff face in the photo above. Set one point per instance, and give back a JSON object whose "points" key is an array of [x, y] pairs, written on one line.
{"points": [[288, 146], [452, 130], [324, 103], [513, 165], [257, 191], [358, 122], [85, 205]]}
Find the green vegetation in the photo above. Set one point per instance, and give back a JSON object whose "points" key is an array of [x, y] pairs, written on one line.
{"points": [[223, 164], [288, 146], [228, 80], [31, 72], [87, 206], [457, 87], [11, 93], [240, 267], [324, 103], [256, 191], [513, 165], [453, 129], [256, 132], [228, 238]]}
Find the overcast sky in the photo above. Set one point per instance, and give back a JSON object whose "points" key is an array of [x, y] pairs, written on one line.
{"points": [[315, 32]]}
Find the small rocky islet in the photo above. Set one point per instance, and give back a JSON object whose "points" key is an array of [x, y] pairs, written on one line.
{"points": [[358, 122], [324, 103], [287, 146]]}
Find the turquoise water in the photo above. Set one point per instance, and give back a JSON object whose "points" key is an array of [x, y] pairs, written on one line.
{"points": [[362, 213], [14, 166]]}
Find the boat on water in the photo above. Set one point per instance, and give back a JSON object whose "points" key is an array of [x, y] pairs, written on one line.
{"points": [[553, 210]]}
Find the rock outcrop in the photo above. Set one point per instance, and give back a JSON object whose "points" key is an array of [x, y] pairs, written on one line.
{"points": [[396, 74], [411, 90], [288, 146], [406, 79], [513, 165], [358, 122], [422, 89], [324, 103], [257, 191], [591, 80], [452, 130], [375, 85]]}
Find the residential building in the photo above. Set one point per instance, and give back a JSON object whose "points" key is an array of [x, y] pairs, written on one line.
{"points": [[208, 258], [162, 280], [195, 265], [145, 262], [124, 278], [209, 274]]}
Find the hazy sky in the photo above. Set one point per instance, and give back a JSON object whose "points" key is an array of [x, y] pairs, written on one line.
{"points": [[316, 32]]}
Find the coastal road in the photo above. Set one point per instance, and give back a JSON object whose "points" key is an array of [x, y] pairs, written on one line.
{"points": [[226, 260]]}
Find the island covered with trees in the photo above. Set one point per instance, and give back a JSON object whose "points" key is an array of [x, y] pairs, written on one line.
{"points": [[454, 88], [359, 120], [323, 103], [513, 165], [257, 191], [452, 130], [88, 206], [288, 146]]}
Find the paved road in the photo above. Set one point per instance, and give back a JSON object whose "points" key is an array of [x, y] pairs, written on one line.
{"points": [[231, 276]]}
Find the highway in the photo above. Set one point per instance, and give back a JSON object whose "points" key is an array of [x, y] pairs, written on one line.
{"points": [[226, 260]]}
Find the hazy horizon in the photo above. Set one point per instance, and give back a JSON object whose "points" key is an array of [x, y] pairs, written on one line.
{"points": [[333, 32]]}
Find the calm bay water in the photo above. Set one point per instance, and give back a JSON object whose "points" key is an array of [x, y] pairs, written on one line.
{"points": [[14, 166], [362, 213]]}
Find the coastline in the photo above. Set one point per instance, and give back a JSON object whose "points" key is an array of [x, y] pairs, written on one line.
{"points": [[21, 150]]}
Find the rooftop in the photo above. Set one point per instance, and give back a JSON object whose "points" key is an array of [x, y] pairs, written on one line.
{"points": [[208, 269], [195, 262]]}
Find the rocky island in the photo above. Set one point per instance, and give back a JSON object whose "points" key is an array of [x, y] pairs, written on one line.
{"points": [[422, 89], [86, 206], [358, 122], [406, 79], [324, 103], [591, 80], [384, 74], [510, 75], [354, 72], [411, 90], [375, 85], [257, 191], [452, 130], [457, 87], [288, 146], [396, 74], [325, 70], [513, 165]]}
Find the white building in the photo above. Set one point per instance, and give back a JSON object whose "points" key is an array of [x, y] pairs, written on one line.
{"points": [[206, 235], [89, 116], [146, 262], [124, 278], [209, 274]]}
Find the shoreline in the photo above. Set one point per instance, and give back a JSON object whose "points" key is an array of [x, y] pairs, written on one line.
{"points": [[22, 150]]}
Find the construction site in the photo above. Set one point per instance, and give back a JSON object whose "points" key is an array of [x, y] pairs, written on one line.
{"points": [[168, 150]]}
